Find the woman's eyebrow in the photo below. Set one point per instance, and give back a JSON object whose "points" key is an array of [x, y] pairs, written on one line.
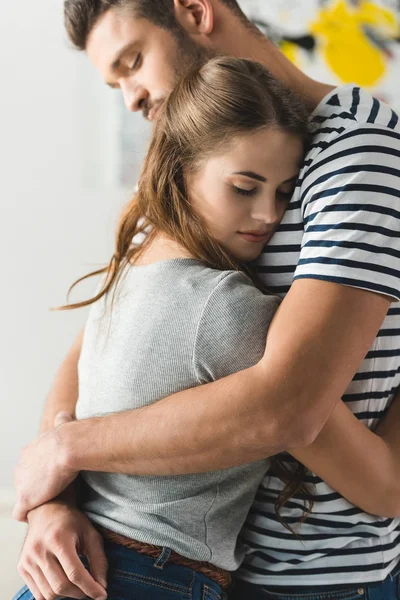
{"points": [[252, 175]]}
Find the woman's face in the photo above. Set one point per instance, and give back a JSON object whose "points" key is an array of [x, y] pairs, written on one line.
{"points": [[242, 192]]}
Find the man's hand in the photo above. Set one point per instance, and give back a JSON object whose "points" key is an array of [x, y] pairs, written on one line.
{"points": [[58, 533], [42, 473], [49, 562]]}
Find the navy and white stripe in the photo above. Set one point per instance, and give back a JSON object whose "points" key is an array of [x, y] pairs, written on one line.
{"points": [[343, 225]]}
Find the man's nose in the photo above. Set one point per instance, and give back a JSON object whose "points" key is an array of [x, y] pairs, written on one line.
{"points": [[134, 97]]}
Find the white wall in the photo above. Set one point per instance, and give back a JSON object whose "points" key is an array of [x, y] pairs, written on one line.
{"points": [[58, 208]]}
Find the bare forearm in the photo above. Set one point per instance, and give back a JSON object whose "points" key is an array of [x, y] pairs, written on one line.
{"points": [[206, 428], [63, 395], [69, 498], [242, 418], [356, 462], [315, 344]]}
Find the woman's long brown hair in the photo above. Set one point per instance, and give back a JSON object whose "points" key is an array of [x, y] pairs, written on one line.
{"points": [[210, 107]]}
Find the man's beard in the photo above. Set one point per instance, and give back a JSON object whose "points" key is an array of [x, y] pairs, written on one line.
{"points": [[187, 56]]}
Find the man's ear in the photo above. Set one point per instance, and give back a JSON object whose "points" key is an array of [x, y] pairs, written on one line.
{"points": [[195, 16]]}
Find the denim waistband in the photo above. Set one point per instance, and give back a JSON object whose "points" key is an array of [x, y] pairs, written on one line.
{"points": [[222, 577]]}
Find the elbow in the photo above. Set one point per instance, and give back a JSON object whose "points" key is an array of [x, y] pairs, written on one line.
{"points": [[288, 435], [388, 500], [389, 503], [392, 513], [385, 501], [301, 431], [301, 422], [384, 508], [295, 417]]}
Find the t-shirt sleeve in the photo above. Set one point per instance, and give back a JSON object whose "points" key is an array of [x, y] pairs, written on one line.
{"points": [[232, 331], [351, 212]]}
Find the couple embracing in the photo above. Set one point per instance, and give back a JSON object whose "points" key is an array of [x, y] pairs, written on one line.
{"points": [[234, 387]]}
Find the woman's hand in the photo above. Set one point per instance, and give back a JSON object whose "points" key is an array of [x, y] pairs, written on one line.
{"points": [[50, 563]]}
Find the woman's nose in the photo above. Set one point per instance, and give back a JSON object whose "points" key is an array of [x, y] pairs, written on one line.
{"points": [[267, 212]]}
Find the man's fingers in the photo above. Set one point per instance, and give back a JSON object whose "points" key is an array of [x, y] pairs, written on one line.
{"points": [[59, 582], [41, 583], [37, 594], [20, 513], [78, 575], [94, 550], [62, 418]]}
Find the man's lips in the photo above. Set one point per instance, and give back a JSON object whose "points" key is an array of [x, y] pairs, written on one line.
{"points": [[252, 236]]}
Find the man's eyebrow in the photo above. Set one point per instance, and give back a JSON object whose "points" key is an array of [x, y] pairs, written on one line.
{"points": [[252, 175]]}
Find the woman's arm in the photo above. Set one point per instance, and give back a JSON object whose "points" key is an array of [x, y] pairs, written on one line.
{"points": [[63, 395], [361, 465]]}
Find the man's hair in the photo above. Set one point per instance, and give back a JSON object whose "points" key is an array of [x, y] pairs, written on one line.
{"points": [[80, 16]]}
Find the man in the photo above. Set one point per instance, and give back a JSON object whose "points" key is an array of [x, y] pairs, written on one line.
{"points": [[341, 231]]}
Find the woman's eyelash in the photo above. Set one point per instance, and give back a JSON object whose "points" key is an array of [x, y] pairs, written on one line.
{"points": [[244, 192]]}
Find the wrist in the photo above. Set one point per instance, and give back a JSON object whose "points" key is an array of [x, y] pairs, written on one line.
{"points": [[71, 453], [50, 508], [80, 448]]}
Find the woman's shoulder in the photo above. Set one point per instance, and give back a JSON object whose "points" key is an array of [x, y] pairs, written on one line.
{"points": [[185, 275], [233, 327], [218, 290], [232, 287]]}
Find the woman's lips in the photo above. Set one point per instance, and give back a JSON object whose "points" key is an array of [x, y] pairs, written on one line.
{"points": [[254, 237]]}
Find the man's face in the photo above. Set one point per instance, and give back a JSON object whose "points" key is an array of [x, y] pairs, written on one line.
{"points": [[142, 60]]}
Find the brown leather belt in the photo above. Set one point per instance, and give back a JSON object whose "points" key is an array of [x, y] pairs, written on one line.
{"points": [[220, 576]]}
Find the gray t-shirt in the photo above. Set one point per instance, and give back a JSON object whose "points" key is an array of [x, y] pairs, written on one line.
{"points": [[174, 325]]}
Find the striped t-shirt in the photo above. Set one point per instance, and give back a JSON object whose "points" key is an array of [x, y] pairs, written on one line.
{"points": [[343, 225]]}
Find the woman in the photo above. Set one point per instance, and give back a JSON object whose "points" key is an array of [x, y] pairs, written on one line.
{"points": [[172, 313]]}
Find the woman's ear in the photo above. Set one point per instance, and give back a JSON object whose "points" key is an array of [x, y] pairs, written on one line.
{"points": [[195, 16]]}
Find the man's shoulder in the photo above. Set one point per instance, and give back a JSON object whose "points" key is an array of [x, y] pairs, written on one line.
{"points": [[352, 126], [352, 106]]}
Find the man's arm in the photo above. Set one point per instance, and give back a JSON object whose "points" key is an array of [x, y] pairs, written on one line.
{"points": [[317, 341], [63, 395], [58, 531], [61, 403]]}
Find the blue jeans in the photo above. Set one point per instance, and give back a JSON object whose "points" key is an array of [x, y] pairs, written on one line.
{"points": [[134, 576], [385, 590]]}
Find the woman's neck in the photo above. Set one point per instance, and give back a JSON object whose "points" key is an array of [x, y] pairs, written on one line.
{"points": [[162, 248]]}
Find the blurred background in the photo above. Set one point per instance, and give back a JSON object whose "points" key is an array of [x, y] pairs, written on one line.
{"points": [[70, 155]]}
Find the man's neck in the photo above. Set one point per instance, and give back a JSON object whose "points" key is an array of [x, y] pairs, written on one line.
{"points": [[248, 43]]}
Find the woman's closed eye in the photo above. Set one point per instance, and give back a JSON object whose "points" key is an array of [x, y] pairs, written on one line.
{"points": [[244, 191]]}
